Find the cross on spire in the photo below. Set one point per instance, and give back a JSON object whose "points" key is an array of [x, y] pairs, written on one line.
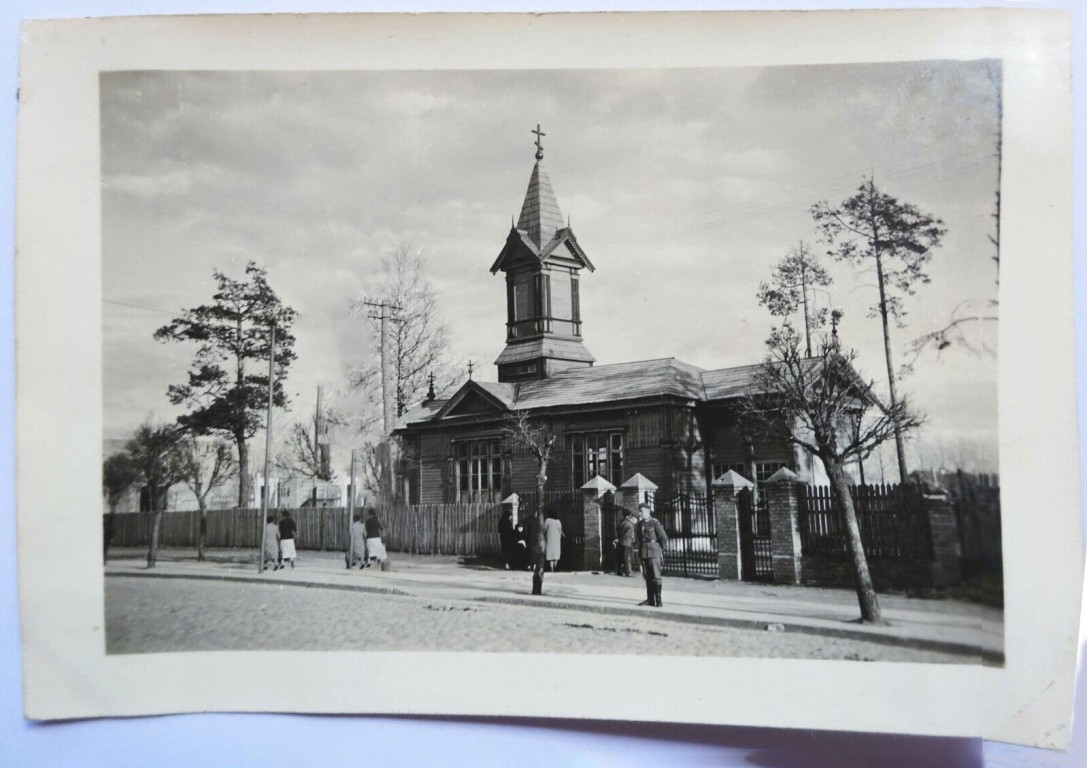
{"points": [[539, 147], [471, 366]]}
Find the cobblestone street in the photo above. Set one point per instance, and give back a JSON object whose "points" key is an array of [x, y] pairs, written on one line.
{"points": [[153, 615]]}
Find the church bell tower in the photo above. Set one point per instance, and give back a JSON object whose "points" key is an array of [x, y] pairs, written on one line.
{"points": [[542, 261]]}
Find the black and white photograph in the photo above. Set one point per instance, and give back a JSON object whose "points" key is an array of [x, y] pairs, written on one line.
{"points": [[423, 351], [513, 318]]}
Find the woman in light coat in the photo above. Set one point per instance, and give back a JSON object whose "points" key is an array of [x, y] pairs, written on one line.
{"points": [[553, 538], [270, 543], [357, 552]]}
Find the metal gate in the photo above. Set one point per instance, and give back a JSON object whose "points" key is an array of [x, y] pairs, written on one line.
{"points": [[610, 515], [692, 536], [756, 557]]}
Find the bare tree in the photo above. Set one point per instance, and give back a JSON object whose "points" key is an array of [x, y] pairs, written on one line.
{"points": [[534, 436], [792, 284], [971, 327], [418, 343], [207, 465], [302, 454], [157, 459], [872, 228], [821, 404]]}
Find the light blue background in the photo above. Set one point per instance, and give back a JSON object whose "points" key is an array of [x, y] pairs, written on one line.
{"points": [[267, 740]]}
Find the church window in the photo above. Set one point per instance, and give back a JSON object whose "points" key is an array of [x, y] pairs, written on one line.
{"points": [[597, 453], [740, 469], [479, 471], [764, 470]]}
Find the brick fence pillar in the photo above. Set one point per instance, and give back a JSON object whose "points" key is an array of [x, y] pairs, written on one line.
{"points": [[727, 523], [592, 553], [782, 492], [513, 502], [946, 550]]}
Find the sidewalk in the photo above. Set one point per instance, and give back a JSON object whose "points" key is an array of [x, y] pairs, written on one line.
{"points": [[973, 631]]}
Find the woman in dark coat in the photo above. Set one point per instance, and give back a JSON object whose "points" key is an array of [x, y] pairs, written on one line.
{"points": [[506, 538]]}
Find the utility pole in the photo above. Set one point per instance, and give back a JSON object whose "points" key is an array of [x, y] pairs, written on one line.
{"points": [[350, 509], [385, 311], [267, 446], [317, 454]]}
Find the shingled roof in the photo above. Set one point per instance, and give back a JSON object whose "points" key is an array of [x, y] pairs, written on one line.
{"points": [[540, 215], [726, 383], [610, 383], [666, 377], [620, 382]]}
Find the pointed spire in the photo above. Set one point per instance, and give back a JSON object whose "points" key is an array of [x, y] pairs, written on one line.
{"points": [[540, 215]]}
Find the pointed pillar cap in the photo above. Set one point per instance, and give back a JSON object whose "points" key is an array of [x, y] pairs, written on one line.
{"points": [[513, 498], [734, 480], [639, 482], [600, 485], [783, 475]]}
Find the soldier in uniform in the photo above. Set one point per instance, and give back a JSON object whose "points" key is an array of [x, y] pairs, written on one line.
{"points": [[651, 540], [624, 544], [536, 544]]}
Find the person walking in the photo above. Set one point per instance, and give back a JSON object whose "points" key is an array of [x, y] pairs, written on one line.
{"points": [[506, 537], [357, 550], [270, 543], [624, 537], [651, 539], [536, 544], [552, 541], [375, 549], [286, 540]]}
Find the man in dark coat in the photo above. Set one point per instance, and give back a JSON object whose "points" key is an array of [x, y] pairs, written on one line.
{"points": [[624, 538], [536, 543], [507, 538], [651, 540]]}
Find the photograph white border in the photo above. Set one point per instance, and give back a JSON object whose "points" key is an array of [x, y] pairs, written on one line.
{"points": [[59, 382]]}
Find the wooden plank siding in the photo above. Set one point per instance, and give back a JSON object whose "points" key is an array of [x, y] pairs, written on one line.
{"points": [[662, 440]]}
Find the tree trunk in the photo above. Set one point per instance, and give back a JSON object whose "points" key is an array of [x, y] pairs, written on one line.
{"points": [[156, 525], [883, 313], [866, 593], [243, 472], [804, 295], [202, 528]]}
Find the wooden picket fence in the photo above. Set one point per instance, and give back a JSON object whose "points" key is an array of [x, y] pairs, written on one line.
{"points": [[442, 529], [447, 529]]}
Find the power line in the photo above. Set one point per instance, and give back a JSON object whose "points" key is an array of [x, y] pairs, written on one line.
{"points": [[138, 306]]}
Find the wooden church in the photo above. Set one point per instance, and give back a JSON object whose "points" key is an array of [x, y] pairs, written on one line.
{"points": [[672, 422]]}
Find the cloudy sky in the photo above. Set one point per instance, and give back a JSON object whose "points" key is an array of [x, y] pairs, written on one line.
{"points": [[683, 186]]}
